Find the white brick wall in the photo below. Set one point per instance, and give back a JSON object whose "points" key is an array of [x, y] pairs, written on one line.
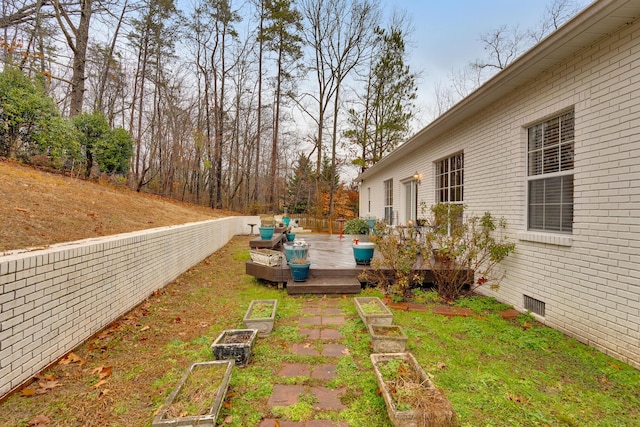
{"points": [[52, 300], [590, 280]]}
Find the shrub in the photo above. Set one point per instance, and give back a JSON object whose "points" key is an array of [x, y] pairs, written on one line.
{"points": [[356, 226], [394, 269], [468, 250]]}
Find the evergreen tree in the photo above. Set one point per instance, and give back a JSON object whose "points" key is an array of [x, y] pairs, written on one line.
{"points": [[387, 105], [280, 35], [301, 186]]}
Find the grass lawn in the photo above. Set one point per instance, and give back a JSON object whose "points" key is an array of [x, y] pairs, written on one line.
{"points": [[495, 372]]}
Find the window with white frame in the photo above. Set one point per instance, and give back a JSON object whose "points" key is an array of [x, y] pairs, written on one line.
{"points": [[550, 147], [450, 179], [388, 201]]}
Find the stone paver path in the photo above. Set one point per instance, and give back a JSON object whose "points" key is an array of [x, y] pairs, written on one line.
{"points": [[318, 324]]}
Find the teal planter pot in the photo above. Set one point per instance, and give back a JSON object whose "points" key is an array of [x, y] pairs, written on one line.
{"points": [[291, 237], [363, 253], [286, 221], [266, 233], [299, 272], [295, 251]]}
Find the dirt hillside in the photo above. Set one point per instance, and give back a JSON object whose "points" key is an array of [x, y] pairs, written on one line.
{"points": [[39, 208]]}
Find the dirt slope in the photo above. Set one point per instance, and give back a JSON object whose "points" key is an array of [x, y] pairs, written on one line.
{"points": [[39, 208]]}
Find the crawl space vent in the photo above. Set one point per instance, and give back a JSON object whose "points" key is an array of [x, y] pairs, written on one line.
{"points": [[534, 305]]}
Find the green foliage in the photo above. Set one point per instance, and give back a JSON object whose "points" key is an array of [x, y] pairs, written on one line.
{"points": [[387, 105], [481, 304], [110, 148], [30, 124], [113, 152], [300, 187], [356, 226], [58, 138], [393, 270], [464, 246]]}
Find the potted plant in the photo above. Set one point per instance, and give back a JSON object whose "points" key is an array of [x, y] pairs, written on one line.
{"points": [[363, 252], [296, 250], [266, 232], [291, 237], [373, 311], [387, 338], [261, 315], [411, 398], [197, 398], [235, 344], [299, 269]]}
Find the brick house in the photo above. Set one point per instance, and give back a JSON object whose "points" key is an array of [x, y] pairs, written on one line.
{"points": [[552, 143]]}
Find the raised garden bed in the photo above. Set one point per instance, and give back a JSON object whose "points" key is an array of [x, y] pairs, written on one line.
{"points": [[373, 311], [387, 338], [197, 398], [235, 344], [411, 398], [261, 315]]}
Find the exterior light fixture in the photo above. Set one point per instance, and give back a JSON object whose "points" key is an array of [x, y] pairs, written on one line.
{"points": [[418, 177]]}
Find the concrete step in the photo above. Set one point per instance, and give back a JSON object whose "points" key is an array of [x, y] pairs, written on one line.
{"points": [[325, 285]]}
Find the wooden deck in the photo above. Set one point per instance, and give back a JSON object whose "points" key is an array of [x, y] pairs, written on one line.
{"points": [[333, 269]]}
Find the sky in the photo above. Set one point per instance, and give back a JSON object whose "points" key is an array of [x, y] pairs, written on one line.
{"points": [[447, 33]]}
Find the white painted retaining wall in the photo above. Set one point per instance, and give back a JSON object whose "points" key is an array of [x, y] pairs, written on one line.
{"points": [[52, 300]]}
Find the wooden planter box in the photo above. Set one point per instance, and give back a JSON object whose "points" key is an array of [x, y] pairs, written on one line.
{"points": [[234, 344], [267, 257], [438, 411], [263, 324], [196, 376], [387, 338], [373, 311]]}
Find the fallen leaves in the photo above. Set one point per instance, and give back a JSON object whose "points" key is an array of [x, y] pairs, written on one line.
{"points": [[71, 358], [44, 385], [39, 421]]}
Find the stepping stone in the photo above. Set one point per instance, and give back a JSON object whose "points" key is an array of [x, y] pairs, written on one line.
{"points": [[334, 350], [452, 311], [332, 311], [414, 306], [305, 349], [328, 399], [272, 423], [330, 334], [330, 302], [310, 321], [285, 395], [311, 311], [510, 314], [324, 372], [332, 320], [295, 370], [398, 305], [312, 334]]}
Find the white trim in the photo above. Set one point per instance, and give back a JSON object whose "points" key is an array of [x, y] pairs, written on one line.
{"points": [[548, 238]]}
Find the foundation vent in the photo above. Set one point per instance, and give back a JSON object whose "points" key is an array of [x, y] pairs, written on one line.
{"points": [[533, 305]]}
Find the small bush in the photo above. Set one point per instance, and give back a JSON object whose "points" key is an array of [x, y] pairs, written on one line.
{"points": [[356, 226]]}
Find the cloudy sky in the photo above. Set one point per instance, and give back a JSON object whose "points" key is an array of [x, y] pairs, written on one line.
{"points": [[447, 32]]}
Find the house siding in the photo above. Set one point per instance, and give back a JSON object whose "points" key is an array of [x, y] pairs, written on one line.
{"points": [[589, 280]]}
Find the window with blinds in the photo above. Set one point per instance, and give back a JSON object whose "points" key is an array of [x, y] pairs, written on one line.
{"points": [[550, 149]]}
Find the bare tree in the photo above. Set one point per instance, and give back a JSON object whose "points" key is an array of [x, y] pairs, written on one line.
{"points": [[339, 32]]}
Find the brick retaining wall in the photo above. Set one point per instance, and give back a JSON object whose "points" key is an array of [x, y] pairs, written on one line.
{"points": [[52, 300]]}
